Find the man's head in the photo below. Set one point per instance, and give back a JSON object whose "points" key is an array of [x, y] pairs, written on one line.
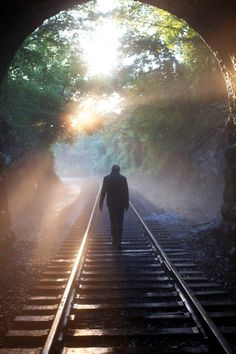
{"points": [[115, 169]]}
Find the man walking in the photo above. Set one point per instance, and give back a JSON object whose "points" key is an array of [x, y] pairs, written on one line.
{"points": [[115, 187]]}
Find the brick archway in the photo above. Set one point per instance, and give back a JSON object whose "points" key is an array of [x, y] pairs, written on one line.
{"points": [[215, 22]]}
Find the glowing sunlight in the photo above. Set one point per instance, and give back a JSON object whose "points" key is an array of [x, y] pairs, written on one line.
{"points": [[101, 51], [83, 120], [106, 104], [106, 5], [88, 115]]}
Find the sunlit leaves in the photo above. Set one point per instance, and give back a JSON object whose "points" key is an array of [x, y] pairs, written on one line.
{"points": [[162, 71]]}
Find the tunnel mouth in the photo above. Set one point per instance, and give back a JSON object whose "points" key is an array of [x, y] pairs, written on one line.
{"points": [[161, 135]]}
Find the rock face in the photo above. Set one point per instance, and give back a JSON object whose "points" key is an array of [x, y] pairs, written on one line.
{"points": [[204, 177], [213, 20], [191, 185], [229, 206]]}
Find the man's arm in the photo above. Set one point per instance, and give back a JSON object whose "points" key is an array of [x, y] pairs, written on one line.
{"points": [[103, 193], [126, 195]]}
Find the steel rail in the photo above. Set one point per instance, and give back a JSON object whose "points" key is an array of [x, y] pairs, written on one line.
{"points": [[187, 293], [66, 297]]}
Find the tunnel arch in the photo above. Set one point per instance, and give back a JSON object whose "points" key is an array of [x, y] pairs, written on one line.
{"points": [[216, 24]]}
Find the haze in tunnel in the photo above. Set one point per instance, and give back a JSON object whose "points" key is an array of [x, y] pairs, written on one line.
{"points": [[165, 106], [113, 82]]}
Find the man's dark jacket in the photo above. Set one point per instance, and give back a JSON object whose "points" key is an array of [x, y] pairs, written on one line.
{"points": [[116, 188]]}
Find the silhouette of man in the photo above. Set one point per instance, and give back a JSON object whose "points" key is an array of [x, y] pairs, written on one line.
{"points": [[115, 187]]}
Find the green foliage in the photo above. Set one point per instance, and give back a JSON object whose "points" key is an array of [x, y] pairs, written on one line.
{"points": [[171, 84], [44, 75]]}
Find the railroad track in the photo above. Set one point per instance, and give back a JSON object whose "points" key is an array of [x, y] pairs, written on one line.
{"points": [[93, 298]]}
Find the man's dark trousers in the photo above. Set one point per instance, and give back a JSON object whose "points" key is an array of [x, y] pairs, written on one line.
{"points": [[116, 218]]}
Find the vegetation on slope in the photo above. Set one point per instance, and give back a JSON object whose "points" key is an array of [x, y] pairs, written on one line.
{"points": [[171, 88]]}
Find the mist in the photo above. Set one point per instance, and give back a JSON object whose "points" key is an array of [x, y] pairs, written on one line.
{"points": [[37, 200], [190, 187]]}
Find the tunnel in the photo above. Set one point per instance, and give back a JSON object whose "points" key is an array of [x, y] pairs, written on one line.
{"points": [[215, 24], [164, 281]]}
